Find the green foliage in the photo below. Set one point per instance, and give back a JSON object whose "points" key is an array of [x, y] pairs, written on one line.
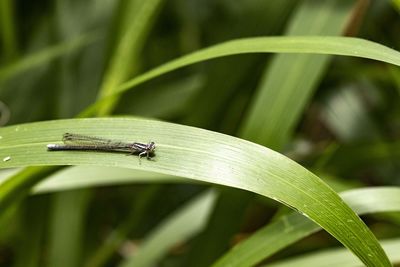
{"points": [[312, 120]]}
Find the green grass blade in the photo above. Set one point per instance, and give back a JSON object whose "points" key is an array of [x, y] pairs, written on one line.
{"points": [[194, 154], [178, 227], [293, 227], [338, 257], [137, 17], [329, 45], [345, 46]]}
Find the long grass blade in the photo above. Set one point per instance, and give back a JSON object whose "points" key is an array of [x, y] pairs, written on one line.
{"points": [[195, 154], [293, 227]]}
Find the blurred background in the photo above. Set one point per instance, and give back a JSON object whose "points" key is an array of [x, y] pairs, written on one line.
{"points": [[337, 116]]}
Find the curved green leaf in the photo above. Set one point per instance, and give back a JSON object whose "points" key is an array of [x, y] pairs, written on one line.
{"points": [[345, 46], [200, 155], [293, 227], [331, 45]]}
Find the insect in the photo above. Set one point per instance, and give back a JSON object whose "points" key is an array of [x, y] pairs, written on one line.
{"points": [[87, 143]]}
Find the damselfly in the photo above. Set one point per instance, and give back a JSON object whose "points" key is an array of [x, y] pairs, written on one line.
{"points": [[88, 143]]}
